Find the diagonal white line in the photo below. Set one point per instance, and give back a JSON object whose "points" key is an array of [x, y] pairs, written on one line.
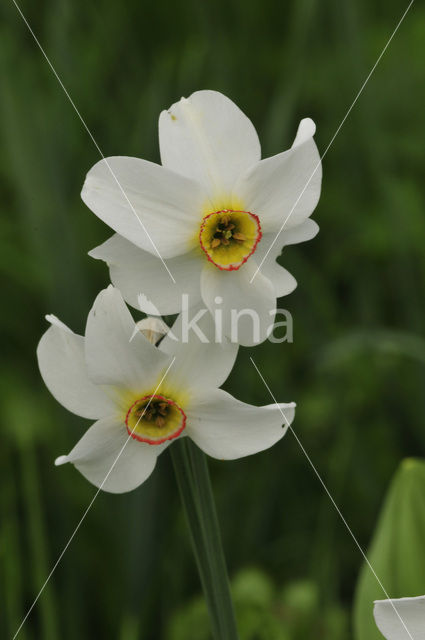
{"points": [[331, 498], [92, 138], [90, 505], [333, 138]]}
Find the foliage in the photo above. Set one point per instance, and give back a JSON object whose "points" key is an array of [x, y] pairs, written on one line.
{"points": [[397, 553], [265, 612]]}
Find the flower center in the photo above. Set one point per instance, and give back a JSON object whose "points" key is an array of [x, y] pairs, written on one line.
{"points": [[155, 419], [229, 237]]}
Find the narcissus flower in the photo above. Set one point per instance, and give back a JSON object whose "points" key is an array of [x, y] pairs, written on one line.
{"points": [[144, 397], [401, 619], [212, 211]]}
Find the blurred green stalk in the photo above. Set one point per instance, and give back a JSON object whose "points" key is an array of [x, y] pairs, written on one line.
{"points": [[11, 556], [191, 469], [38, 552]]}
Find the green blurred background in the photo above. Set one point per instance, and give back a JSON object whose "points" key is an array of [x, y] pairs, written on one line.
{"points": [[357, 364]]}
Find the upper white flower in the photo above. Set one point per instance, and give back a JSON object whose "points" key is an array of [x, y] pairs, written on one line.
{"points": [[401, 619], [212, 210], [153, 394]]}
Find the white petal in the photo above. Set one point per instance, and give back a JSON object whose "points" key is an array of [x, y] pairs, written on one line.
{"points": [[110, 459], [203, 359], [146, 203], [226, 428], [303, 232], [63, 368], [271, 246], [410, 610], [143, 280], [54, 321], [207, 137], [112, 356], [284, 188], [306, 130], [283, 282], [246, 309]]}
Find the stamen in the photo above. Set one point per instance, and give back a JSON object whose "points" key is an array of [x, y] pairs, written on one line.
{"points": [[229, 238], [155, 419]]}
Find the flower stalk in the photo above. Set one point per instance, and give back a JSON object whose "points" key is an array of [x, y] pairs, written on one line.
{"points": [[191, 469]]}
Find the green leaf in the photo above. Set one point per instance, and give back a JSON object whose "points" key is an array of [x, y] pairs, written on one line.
{"points": [[397, 553]]}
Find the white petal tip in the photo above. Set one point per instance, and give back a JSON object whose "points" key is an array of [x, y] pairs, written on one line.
{"points": [[287, 286], [54, 321], [93, 253], [309, 125], [288, 413], [306, 130], [314, 229], [61, 460], [292, 285]]}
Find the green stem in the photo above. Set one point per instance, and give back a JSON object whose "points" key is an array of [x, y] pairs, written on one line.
{"points": [[37, 537], [191, 469]]}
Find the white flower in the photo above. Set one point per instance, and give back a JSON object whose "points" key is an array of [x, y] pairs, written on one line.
{"points": [[104, 376], [212, 210], [412, 614]]}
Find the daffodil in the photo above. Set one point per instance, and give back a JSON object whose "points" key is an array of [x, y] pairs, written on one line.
{"points": [[144, 397], [401, 619], [214, 211]]}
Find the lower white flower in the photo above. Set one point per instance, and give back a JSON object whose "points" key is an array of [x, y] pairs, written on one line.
{"points": [[107, 377], [214, 210], [401, 619]]}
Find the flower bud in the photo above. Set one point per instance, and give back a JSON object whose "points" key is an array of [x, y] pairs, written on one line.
{"points": [[152, 328]]}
